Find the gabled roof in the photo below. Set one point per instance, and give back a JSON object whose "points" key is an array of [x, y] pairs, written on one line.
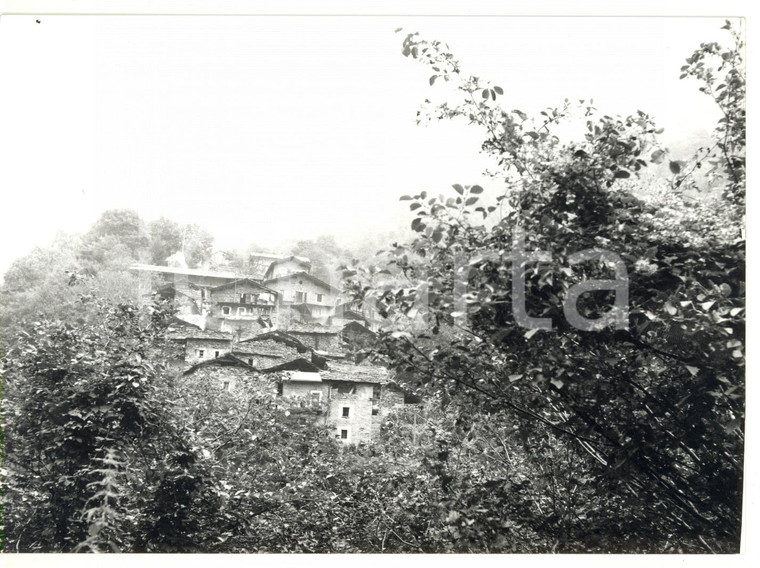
{"points": [[279, 336], [359, 328], [227, 360], [305, 262], [295, 365], [242, 281], [188, 320], [190, 330], [313, 328], [184, 271], [305, 275], [349, 372]]}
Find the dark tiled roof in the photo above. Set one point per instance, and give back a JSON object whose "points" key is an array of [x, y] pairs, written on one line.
{"points": [[279, 336], [227, 360], [296, 365], [349, 372]]}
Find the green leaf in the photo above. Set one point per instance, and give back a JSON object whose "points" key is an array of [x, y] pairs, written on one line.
{"points": [[499, 90], [432, 79], [476, 189], [485, 93], [623, 174], [459, 189], [675, 167], [471, 200]]}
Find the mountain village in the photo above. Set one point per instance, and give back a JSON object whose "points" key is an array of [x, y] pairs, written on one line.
{"points": [[282, 324]]}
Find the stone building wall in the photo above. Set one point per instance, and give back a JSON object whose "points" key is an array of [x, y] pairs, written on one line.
{"points": [[210, 347], [226, 378], [358, 424]]}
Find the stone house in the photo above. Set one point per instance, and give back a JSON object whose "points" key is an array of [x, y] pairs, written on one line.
{"points": [[198, 344], [227, 371], [193, 284], [352, 399], [286, 265], [304, 298], [322, 338], [270, 349], [356, 336], [243, 306]]}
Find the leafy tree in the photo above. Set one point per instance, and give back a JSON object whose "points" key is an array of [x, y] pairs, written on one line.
{"points": [[197, 245], [119, 233], [88, 441], [324, 253], [657, 406], [165, 239]]}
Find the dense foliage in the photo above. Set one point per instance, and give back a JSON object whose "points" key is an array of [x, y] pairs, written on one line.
{"points": [[624, 438], [651, 399]]}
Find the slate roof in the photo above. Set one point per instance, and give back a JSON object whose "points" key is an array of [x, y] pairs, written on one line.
{"points": [[227, 360], [349, 372], [279, 336], [299, 364], [241, 281], [313, 328]]}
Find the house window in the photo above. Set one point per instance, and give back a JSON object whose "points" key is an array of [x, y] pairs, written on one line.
{"points": [[279, 389], [346, 389], [315, 397], [241, 311], [344, 434], [319, 297], [300, 297], [346, 411], [250, 362], [201, 352], [226, 386], [305, 296], [375, 411], [226, 310], [216, 354]]}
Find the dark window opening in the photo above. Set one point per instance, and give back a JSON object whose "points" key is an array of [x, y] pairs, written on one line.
{"points": [[375, 411], [216, 354], [346, 411], [344, 434], [250, 362], [346, 389], [200, 352], [279, 389]]}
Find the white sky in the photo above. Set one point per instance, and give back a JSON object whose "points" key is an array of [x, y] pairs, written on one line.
{"points": [[270, 129]]}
